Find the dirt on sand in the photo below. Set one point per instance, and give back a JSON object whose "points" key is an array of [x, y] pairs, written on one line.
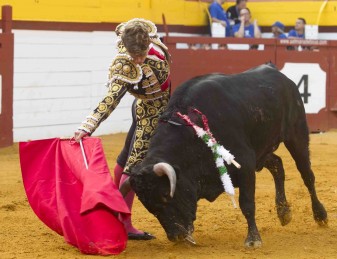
{"points": [[220, 229]]}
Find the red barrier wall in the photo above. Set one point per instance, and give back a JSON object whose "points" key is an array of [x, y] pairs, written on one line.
{"points": [[312, 66], [323, 54], [6, 74], [187, 63]]}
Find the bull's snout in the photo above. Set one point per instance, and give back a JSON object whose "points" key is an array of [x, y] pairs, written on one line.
{"points": [[175, 238], [182, 234]]}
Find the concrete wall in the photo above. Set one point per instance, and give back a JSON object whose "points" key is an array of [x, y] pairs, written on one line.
{"points": [[59, 77]]}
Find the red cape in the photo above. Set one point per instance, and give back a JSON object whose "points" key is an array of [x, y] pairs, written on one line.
{"points": [[80, 204]]}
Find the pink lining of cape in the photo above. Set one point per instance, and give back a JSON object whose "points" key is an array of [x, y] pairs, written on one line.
{"points": [[77, 203]]}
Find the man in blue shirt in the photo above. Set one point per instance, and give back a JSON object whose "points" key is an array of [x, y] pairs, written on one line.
{"points": [[218, 15], [278, 30], [298, 32]]}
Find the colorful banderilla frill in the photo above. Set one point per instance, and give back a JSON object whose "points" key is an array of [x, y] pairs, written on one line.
{"points": [[220, 154]]}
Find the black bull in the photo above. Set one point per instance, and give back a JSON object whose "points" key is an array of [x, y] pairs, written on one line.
{"points": [[250, 114]]}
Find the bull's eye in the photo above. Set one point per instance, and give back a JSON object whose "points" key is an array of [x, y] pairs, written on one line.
{"points": [[165, 198]]}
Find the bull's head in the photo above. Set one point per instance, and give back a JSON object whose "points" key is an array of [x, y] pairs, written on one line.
{"points": [[171, 199]]}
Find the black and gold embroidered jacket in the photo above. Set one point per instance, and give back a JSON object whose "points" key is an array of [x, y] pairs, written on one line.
{"points": [[148, 81]]}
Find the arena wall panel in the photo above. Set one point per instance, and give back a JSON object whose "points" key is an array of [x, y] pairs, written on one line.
{"points": [[59, 79]]}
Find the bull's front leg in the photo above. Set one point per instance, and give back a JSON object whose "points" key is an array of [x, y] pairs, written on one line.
{"points": [[247, 205]]}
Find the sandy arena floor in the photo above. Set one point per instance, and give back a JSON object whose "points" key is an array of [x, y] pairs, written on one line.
{"points": [[220, 229]]}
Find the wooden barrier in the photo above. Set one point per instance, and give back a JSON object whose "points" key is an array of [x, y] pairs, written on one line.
{"points": [[6, 78], [189, 62], [314, 71], [311, 64]]}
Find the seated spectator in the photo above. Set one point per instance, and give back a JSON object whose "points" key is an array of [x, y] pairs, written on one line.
{"points": [[246, 29], [219, 16], [298, 31], [233, 12], [278, 30]]}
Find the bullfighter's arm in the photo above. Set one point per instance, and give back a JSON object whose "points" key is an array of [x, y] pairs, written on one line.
{"points": [[105, 107], [123, 75]]}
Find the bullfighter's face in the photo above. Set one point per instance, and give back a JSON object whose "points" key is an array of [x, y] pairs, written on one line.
{"points": [[176, 214]]}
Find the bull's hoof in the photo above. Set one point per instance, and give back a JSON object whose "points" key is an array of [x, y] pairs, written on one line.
{"points": [[322, 223], [320, 214], [253, 241], [284, 214], [253, 244]]}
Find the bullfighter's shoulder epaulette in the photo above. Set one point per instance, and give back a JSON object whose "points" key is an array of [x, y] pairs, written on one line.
{"points": [[122, 68]]}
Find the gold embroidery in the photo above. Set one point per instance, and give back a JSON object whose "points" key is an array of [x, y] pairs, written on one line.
{"points": [[115, 87], [145, 83], [118, 66], [160, 69], [108, 100], [124, 69], [153, 79], [147, 70], [147, 113], [102, 107], [155, 88]]}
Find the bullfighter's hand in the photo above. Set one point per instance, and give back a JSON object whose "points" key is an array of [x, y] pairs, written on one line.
{"points": [[79, 135]]}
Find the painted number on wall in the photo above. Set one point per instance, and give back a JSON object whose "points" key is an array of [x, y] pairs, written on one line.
{"points": [[311, 82], [303, 84]]}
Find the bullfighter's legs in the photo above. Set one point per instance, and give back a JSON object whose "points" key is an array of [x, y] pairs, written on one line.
{"points": [[119, 178], [298, 147], [247, 203], [129, 201], [123, 155], [118, 171], [275, 166], [146, 114]]}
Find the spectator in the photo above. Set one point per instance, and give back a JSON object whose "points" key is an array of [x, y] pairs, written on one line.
{"points": [[219, 16], [278, 30], [233, 12], [298, 31], [246, 29]]}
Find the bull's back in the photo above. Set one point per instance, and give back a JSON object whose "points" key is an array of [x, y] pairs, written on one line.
{"points": [[263, 87], [259, 102]]}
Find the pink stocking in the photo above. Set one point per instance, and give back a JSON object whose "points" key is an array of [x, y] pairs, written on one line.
{"points": [[118, 170], [127, 219]]}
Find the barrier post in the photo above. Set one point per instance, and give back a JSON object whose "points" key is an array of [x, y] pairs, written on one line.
{"points": [[332, 90], [6, 77]]}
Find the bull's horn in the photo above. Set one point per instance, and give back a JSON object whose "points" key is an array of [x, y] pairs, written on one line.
{"points": [[190, 239], [126, 187], [161, 169]]}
